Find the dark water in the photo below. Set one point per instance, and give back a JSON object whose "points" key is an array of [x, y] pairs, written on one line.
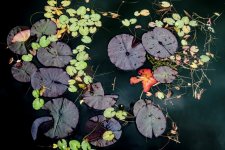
{"points": [[201, 123]]}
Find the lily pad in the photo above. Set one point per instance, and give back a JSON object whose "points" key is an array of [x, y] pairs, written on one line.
{"points": [[17, 47], [23, 73], [165, 74], [54, 80], [126, 53], [160, 43], [150, 120], [44, 27], [96, 98], [57, 55], [36, 124], [139, 105], [65, 115], [101, 124]]}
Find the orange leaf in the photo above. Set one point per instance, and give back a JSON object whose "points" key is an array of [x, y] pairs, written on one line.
{"points": [[135, 80]]}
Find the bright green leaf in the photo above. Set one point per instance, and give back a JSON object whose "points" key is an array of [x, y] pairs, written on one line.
{"points": [[27, 57], [204, 58], [72, 82], [179, 24], [71, 70], [38, 103], [108, 136], [71, 12], [66, 3], [109, 112], [44, 42], [48, 15], [63, 19], [95, 17], [85, 145], [133, 21], [81, 11], [74, 145], [62, 145], [81, 65], [176, 16], [88, 80], [193, 23], [185, 20], [84, 31], [86, 39], [82, 56], [52, 2], [126, 22], [121, 115], [36, 93], [35, 46], [72, 89], [158, 23]]}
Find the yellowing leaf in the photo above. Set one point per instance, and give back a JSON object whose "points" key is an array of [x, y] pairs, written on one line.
{"points": [[176, 16], [186, 29], [194, 65], [133, 21], [165, 4], [160, 95], [66, 3], [52, 2], [145, 12], [126, 22], [121, 115], [108, 136], [109, 112]]}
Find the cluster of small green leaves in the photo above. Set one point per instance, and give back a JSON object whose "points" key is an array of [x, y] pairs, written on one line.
{"points": [[77, 67], [77, 22], [38, 102], [111, 112], [72, 145]]}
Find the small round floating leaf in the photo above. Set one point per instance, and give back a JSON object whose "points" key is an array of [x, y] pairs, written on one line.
{"points": [[63, 19], [121, 115], [97, 99], [126, 22], [16, 46], [44, 27], [55, 81], [85, 145], [160, 95], [165, 74], [109, 112], [52, 2], [57, 55], [36, 93], [158, 23], [86, 39], [66, 3], [176, 16], [62, 144], [185, 20], [35, 45], [204, 58], [126, 53], [92, 30], [95, 17], [71, 70], [72, 88], [133, 21], [81, 11], [150, 120], [102, 125], [44, 42], [193, 23], [65, 115], [108, 136], [23, 73], [88, 79], [81, 65], [84, 31], [53, 38], [74, 145], [179, 24], [98, 24], [169, 21], [48, 15], [38, 103], [27, 57], [160, 43], [165, 4]]}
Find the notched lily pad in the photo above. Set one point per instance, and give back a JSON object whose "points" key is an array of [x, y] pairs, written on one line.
{"points": [[98, 125], [57, 55], [160, 43], [97, 99], [139, 105], [16, 46], [150, 119], [126, 53], [54, 80], [36, 124], [65, 115], [23, 73], [165, 74], [43, 27]]}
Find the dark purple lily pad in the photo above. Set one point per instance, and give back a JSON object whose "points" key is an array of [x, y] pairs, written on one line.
{"points": [[150, 120], [139, 105], [160, 43], [54, 80], [43, 27], [17, 47], [36, 124], [57, 55], [24, 72], [65, 115], [125, 53], [98, 125], [96, 98], [165, 74]]}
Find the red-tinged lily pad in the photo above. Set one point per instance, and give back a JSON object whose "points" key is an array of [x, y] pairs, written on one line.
{"points": [[125, 53], [23, 72], [36, 124], [54, 80], [57, 55], [16, 39], [150, 119], [65, 115], [160, 43], [98, 125], [165, 74], [96, 98], [43, 27]]}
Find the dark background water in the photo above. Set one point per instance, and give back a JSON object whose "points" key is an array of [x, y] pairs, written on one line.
{"points": [[201, 123]]}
